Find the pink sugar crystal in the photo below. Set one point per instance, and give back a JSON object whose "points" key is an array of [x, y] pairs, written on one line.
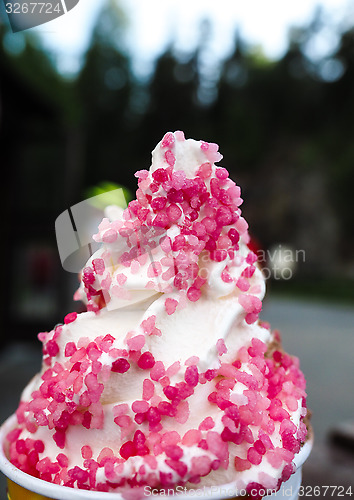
{"points": [[216, 445], [168, 140], [59, 438], [136, 343], [173, 451], [191, 376], [120, 365], [170, 158], [63, 460], [253, 456], [206, 424], [157, 371], [148, 389], [182, 414], [192, 437], [241, 464], [146, 361], [170, 305], [158, 203], [69, 318], [221, 347], [193, 294], [86, 451], [160, 175], [173, 212], [70, 349], [140, 406]]}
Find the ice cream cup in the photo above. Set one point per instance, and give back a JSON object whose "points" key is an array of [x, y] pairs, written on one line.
{"points": [[22, 486]]}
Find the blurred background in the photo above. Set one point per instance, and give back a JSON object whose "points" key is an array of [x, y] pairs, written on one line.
{"points": [[85, 98]]}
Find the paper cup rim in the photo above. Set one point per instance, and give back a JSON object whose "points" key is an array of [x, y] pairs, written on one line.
{"points": [[55, 491]]}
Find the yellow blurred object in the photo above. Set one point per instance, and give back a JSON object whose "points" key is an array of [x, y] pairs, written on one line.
{"points": [[16, 492]]}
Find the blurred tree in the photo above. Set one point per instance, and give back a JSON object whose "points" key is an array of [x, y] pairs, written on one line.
{"points": [[105, 87]]}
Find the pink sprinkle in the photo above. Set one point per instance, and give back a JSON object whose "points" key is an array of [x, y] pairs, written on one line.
{"points": [[148, 389], [170, 438], [233, 235], [157, 371], [201, 466], [251, 318], [251, 258], [110, 236], [69, 318], [148, 324], [253, 456], [62, 460], [277, 356], [168, 140], [121, 365], [160, 175], [153, 416], [192, 437], [146, 361], [173, 369], [191, 376], [250, 303], [179, 135], [204, 171], [207, 424], [140, 406], [121, 278], [13, 435], [136, 343], [170, 158], [120, 409], [142, 174], [260, 447], [86, 452], [127, 450], [193, 360], [221, 347], [241, 464], [98, 265], [241, 225], [123, 421], [59, 438], [52, 348], [161, 220], [170, 392], [158, 203], [170, 305], [182, 414], [173, 212], [173, 451], [193, 294], [221, 173], [179, 467], [70, 349], [243, 284]]}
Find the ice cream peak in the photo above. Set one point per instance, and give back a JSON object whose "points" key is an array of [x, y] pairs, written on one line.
{"points": [[183, 234], [168, 378]]}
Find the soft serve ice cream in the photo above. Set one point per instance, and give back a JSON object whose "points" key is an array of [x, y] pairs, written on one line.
{"points": [[168, 378]]}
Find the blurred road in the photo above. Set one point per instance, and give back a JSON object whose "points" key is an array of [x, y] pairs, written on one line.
{"points": [[320, 334]]}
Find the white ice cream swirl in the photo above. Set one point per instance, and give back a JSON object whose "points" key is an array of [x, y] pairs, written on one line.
{"points": [[165, 377]]}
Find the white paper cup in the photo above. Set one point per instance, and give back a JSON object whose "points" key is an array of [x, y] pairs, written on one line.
{"points": [[22, 486]]}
